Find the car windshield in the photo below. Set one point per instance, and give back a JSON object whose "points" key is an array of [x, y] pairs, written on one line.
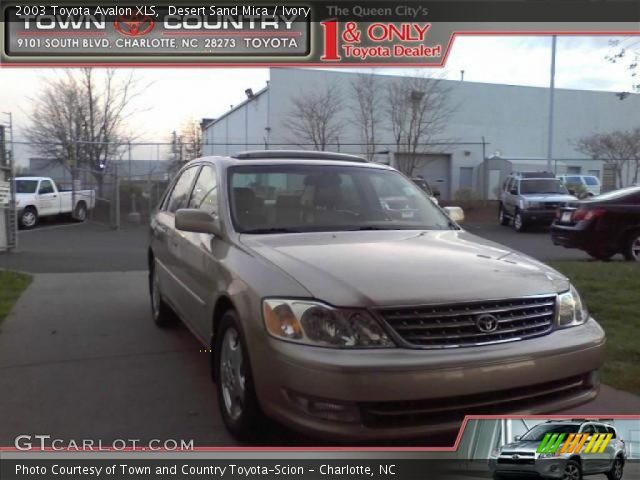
{"points": [[305, 198], [26, 186], [537, 433], [591, 181], [542, 185]]}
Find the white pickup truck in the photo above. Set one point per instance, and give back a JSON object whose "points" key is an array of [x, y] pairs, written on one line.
{"points": [[38, 197]]}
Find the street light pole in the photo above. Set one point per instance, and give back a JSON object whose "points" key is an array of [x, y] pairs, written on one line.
{"points": [[552, 85]]}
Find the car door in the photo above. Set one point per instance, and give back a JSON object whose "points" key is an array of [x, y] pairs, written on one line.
{"points": [[201, 254], [166, 243], [589, 460], [510, 196], [48, 201]]}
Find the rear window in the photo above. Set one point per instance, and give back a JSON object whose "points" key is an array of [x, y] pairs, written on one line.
{"points": [[631, 192]]}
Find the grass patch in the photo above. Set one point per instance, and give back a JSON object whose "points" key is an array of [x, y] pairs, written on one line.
{"points": [[611, 291], [12, 284]]}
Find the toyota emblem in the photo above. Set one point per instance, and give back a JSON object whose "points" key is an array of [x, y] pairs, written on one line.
{"points": [[487, 323], [134, 25]]}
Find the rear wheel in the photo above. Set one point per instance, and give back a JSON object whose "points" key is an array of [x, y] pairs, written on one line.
{"points": [[235, 390], [160, 312], [502, 217], [519, 224], [80, 212], [29, 218], [632, 247], [617, 469]]}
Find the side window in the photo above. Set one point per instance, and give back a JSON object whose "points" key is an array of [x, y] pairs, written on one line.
{"points": [[588, 429], [45, 187], [179, 197], [205, 191]]}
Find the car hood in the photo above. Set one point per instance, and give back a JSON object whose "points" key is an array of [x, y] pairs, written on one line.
{"points": [[521, 446], [549, 197], [404, 267]]}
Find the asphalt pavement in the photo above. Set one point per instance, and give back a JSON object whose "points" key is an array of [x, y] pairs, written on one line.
{"points": [[80, 356]]}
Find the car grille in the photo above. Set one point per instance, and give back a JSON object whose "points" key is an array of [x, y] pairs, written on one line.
{"points": [[453, 409], [460, 325], [518, 461], [553, 205]]}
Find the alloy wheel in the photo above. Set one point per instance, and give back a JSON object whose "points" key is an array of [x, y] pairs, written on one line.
{"points": [[635, 249], [155, 296], [232, 375], [572, 472], [28, 219], [617, 469], [517, 222]]}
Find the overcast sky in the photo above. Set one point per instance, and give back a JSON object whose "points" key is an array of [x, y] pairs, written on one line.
{"points": [[178, 94]]}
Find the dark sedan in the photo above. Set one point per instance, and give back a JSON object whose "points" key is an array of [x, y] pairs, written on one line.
{"points": [[602, 226]]}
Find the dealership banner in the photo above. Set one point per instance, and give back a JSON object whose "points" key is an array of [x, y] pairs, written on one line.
{"points": [[285, 33]]}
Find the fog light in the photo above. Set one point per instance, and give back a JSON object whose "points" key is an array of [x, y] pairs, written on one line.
{"points": [[323, 408], [592, 379]]}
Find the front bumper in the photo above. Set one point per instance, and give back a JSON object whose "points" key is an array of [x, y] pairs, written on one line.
{"points": [[401, 393], [538, 216], [552, 467]]}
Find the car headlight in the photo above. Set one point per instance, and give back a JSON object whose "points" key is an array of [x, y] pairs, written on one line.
{"points": [[571, 310], [546, 455], [495, 452], [528, 204], [313, 323]]}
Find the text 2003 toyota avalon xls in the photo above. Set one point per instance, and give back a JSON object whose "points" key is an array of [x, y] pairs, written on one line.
{"points": [[339, 300]]}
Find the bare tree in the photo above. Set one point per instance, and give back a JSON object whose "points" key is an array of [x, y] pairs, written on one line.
{"points": [[418, 109], [620, 150], [78, 120], [627, 52], [367, 112], [191, 136], [315, 117]]}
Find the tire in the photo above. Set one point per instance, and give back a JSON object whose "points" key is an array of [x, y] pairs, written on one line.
{"points": [[572, 471], [161, 313], [80, 212], [28, 218], [519, 225], [632, 247], [617, 469], [502, 218], [234, 385]]}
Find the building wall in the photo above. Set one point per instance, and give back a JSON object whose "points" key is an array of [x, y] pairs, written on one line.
{"points": [[512, 120]]}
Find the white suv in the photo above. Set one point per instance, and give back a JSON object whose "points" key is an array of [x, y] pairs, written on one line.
{"points": [[590, 182]]}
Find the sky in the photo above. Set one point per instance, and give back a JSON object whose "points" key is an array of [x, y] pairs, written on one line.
{"points": [[173, 96]]}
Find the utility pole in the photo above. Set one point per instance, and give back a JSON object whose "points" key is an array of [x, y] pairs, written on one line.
{"points": [[552, 88]]}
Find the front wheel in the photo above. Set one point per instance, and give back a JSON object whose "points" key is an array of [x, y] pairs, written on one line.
{"points": [[519, 224], [616, 470], [29, 218], [502, 217], [235, 390], [572, 471], [632, 247]]}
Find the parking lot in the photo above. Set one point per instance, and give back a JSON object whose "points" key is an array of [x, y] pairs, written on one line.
{"points": [[80, 356]]}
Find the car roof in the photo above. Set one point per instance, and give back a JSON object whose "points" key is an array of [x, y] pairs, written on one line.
{"points": [[289, 157]]}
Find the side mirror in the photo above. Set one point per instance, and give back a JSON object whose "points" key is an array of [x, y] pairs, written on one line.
{"points": [[436, 194], [455, 213], [571, 191], [197, 221], [517, 438], [513, 191]]}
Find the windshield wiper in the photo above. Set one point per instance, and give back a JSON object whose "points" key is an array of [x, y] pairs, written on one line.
{"points": [[271, 230]]}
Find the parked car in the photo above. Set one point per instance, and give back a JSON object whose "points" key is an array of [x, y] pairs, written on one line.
{"points": [[523, 457], [529, 198], [602, 226], [39, 197], [590, 183], [326, 312], [426, 188]]}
